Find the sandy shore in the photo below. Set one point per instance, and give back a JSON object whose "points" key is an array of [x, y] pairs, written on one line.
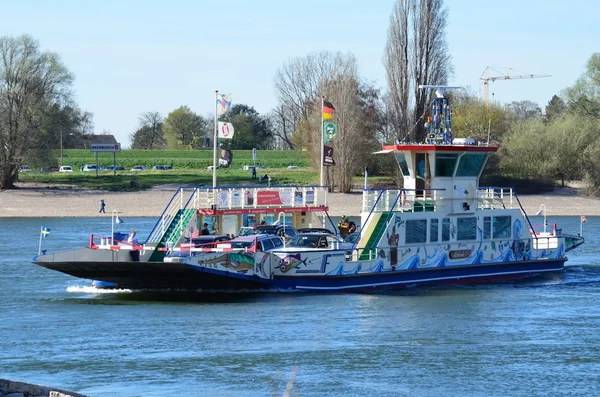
{"points": [[35, 201]]}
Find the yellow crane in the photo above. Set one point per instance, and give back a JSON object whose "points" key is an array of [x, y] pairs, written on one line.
{"points": [[485, 76]]}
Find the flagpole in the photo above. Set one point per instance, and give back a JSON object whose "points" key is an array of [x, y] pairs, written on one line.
{"points": [[215, 141], [40, 247], [322, 181]]}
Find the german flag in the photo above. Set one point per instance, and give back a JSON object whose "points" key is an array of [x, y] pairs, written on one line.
{"points": [[328, 110]]}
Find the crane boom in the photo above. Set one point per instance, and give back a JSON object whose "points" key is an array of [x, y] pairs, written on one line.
{"points": [[485, 76]]}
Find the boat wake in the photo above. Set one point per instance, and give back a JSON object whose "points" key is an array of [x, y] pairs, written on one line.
{"points": [[89, 289]]}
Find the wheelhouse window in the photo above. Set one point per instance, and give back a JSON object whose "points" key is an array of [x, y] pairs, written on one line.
{"points": [[470, 164], [445, 164], [466, 228], [487, 227], [446, 225], [433, 231], [501, 227], [416, 231]]}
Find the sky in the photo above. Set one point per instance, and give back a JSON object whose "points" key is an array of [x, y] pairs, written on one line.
{"points": [[130, 57]]}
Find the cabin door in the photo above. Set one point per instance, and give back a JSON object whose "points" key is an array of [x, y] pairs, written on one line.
{"points": [[422, 173]]}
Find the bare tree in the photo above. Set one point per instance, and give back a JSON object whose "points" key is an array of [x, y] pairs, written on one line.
{"points": [[297, 84], [416, 54], [149, 134], [397, 64]]}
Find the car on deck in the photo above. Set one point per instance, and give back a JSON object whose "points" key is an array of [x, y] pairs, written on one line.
{"points": [[285, 232]]}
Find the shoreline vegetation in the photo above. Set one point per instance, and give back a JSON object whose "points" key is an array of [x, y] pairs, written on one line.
{"points": [[34, 200]]}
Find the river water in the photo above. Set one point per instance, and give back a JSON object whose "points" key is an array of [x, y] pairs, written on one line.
{"points": [[527, 338]]}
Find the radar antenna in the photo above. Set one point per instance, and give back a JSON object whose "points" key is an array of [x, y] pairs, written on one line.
{"points": [[439, 124]]}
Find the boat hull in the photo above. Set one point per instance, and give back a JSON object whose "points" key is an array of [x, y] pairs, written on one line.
{"points": [[139, 275], [389, 280]]}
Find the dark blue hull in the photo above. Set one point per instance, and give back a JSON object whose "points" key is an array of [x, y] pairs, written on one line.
{"points": [[392, 279], [399, 279]]}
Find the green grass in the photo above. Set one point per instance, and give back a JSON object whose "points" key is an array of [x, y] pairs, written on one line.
{"points": [[189, 168], [126, 180], [181, 159]]}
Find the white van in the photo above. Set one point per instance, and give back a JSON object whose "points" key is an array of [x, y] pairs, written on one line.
{"points": [[65, 168], [89, 167]]}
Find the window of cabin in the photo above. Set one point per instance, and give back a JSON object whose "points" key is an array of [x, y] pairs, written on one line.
{"points": [[466, 228], [470, 164], [401, 159], [487, 227], [434, 230], [501, 227], [445, 164], [446, 229], [416, 231]]}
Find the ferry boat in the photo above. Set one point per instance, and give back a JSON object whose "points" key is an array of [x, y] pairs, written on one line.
{"points": [[441, 227]]}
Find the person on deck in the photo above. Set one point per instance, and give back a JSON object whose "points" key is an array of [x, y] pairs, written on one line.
{"points": [[351, 227], [343, 226], [134, 254], [205, 231]]}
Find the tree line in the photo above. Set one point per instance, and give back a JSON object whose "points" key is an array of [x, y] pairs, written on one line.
{"points": [[557, 143]]}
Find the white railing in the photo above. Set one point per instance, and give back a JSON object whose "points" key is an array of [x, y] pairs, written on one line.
{"points": [[383, 200], [231, 198], [495, 198]]}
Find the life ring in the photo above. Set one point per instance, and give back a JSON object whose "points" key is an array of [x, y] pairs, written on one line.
{"points": [[403, 198]]}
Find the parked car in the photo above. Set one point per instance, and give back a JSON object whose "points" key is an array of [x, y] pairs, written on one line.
{"points": [[315, 230], [278, 230], [245, 230], [315, 240], [65, 168], [114, 168], [197, 242], [24, 168], [210, 167], [161, 167], [89, 167], [264, 242], [137, 168], [292, 167]]}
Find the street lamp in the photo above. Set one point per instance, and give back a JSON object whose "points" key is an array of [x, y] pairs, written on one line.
{"points": [[542, 211], [115, 219]]}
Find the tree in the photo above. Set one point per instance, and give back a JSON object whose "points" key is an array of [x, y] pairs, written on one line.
{"points": [[149, 135], [183, 129], [550, 151], [251, 129], [524, 110], [357, 114], [416, 54], [471, 118], [555, 108], [583, 98], [60, 126], [30, 82], [298, 83]]}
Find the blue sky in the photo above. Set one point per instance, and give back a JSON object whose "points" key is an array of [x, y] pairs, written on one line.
{"points": [[135, 56]]}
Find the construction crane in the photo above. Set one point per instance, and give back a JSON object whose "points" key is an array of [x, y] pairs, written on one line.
{"points": [[485, 76]]}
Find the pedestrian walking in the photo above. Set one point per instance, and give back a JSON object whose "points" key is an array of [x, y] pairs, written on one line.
{"points": [[102, 205]]}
